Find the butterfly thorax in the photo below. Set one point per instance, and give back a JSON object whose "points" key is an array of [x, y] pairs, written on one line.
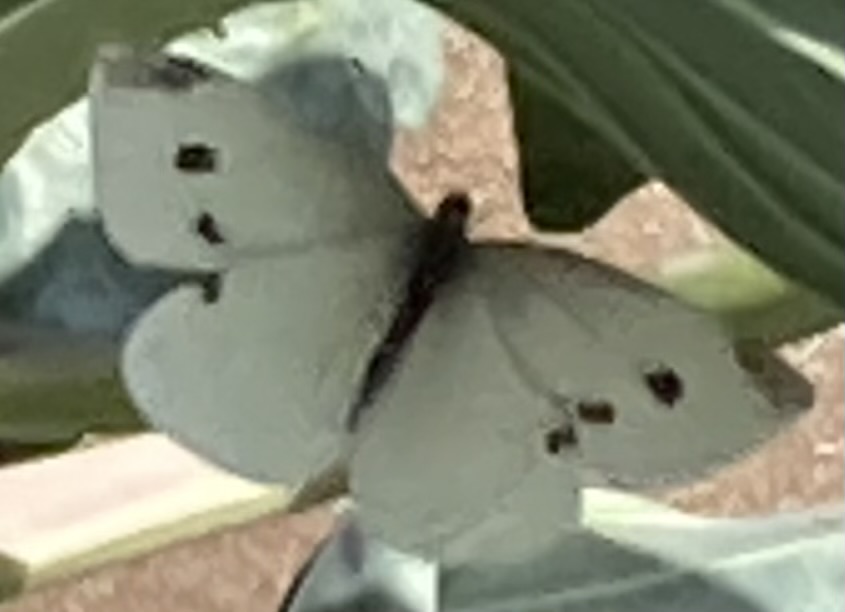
{"points": [[436, 258]]}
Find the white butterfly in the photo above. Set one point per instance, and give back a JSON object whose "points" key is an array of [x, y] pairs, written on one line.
{"points": [[529, 369]]}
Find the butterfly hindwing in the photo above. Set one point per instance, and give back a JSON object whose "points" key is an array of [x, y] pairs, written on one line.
{"points": [[455, 433], [527, 522], [258, 378]]}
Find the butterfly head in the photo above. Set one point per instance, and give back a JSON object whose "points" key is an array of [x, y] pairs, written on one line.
{"points": [[454, 210]]}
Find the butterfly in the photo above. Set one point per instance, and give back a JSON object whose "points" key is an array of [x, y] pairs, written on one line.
{"points": [[472, 388]]}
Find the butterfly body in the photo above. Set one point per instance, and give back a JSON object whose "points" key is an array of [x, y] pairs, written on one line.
{"points": [[441, 244]]}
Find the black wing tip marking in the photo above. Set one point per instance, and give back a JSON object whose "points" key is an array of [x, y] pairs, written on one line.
{"points": [[119, 66]]}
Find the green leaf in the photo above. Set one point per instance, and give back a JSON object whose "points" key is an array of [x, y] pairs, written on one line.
{"points": [[739, 109], [54, 387], [7, 6], [570, 175], [46, 48], [12, 577], [754, 303]]}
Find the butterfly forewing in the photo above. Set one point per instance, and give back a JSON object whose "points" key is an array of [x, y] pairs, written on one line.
{"points": [[188, 144], [652, 386]]}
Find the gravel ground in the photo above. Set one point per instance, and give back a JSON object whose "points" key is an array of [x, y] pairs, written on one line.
{"points": [[469, 145]]}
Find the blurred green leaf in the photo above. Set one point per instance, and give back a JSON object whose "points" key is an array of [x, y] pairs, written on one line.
{"points": [[7, 6], [46, 48], [12, 577], [737, 107], [56, 386], [755, 304], [16, 452], [570, 175]]}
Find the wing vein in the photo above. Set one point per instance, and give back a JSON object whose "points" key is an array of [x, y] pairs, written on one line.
{"points": [[590, 328], [528, 375]]}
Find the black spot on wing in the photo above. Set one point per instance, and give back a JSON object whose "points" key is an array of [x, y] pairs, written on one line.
{"points": [[206, 227], [665, 385], [212, 288], [596, 412], [195, 158], [560, 438]]}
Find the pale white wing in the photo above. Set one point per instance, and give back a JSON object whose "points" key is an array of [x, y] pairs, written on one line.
{"points": [[454, 452], [526, 523], [651, 386], [196, 170], [259, 379]]}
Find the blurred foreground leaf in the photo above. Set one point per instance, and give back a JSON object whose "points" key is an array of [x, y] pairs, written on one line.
{"points": [[756, 304], [632, 555], [735, 104]]}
